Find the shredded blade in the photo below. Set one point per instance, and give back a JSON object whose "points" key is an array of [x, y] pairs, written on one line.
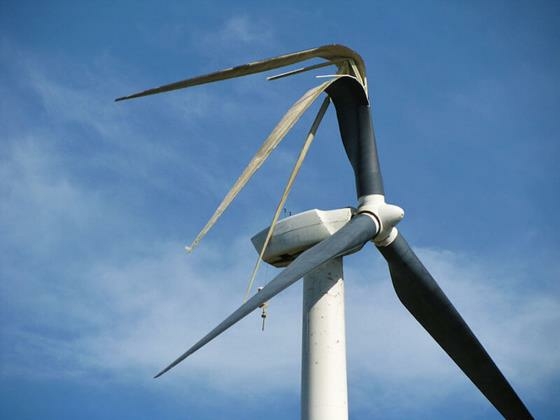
{"points": [[272, 141], [302, 154]]}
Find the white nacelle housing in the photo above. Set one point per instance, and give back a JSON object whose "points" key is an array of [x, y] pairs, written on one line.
{"points": [[296, 233]]}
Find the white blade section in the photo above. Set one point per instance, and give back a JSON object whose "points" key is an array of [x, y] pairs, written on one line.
{"points": [[302, 154], [272, 141], [338, 54], [356, 233]]}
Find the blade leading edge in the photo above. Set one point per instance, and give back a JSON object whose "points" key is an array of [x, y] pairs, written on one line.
{"points": [[421, 295], [354, 234]]}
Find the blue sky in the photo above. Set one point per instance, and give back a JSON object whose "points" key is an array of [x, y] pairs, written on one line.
{"points": [[98, 200]]}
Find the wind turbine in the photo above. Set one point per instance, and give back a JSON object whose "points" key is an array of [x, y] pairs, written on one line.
{"points": [[319, 240]]}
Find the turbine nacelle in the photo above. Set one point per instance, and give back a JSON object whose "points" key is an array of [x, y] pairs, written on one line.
{"points": [[295, 234]]}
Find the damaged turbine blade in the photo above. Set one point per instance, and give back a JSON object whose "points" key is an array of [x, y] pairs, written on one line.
{"points": [[338, 54]]}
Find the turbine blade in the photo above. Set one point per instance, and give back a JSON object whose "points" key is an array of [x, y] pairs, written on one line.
{"points": [[272, 141], [302, 154], [354, 234], [328, 52], [356, 129], [421, 295]]}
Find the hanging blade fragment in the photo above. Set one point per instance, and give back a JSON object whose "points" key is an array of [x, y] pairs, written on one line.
{"points": [[335, 53], [272, 141], [301, 157], [424, 299], [354, 234], [346, 60]]}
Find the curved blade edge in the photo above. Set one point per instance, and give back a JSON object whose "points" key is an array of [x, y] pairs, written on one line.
{"points": [[328, 52]]}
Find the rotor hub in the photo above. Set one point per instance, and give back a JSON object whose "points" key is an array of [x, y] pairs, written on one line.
{"points": [[386, 216]]}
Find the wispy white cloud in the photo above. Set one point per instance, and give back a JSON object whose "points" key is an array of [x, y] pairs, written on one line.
{"points": [[236, 31], [392, 349], [134, 316], [77, 112]]}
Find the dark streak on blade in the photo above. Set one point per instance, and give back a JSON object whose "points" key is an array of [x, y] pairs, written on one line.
{"points": [[356, 129]]}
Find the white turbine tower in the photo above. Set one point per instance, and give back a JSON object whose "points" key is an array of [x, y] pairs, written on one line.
{"points": [[311, 246]]}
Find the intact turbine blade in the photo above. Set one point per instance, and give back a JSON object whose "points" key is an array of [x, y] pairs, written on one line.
{"points": [[354, 234], [334, 53], [421, 295]]}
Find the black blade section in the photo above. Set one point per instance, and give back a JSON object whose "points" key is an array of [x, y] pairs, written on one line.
{"points": [[356, 129], [351, 236], [421, 295]]}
